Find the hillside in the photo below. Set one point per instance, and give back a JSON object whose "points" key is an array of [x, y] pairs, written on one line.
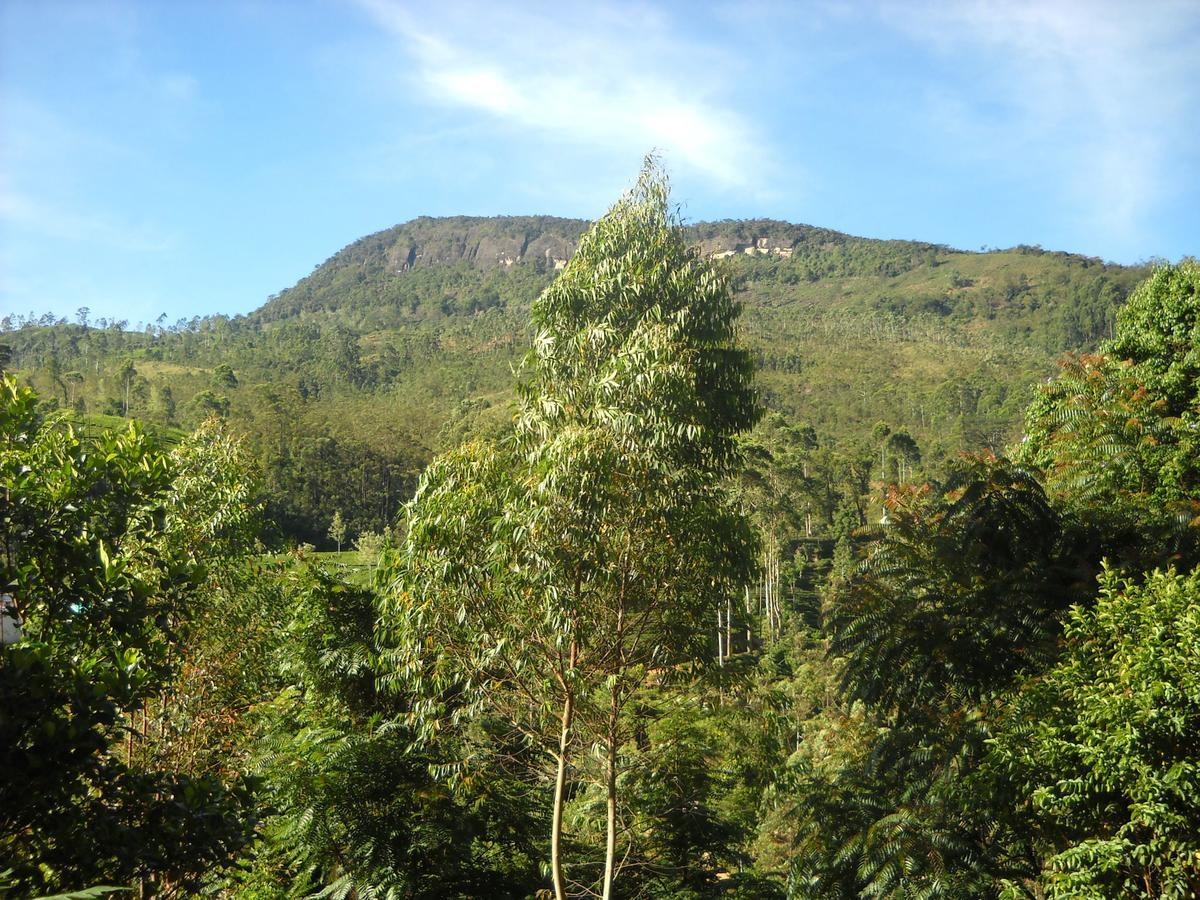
{"points": [[430, 267], [404, 341]]}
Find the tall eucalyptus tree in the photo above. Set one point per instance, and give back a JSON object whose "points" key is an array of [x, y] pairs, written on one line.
{"points": [[552, 578]]}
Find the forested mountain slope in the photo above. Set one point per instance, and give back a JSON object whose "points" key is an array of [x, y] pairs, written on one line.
{"points": [[404, 341], [627, 641]]}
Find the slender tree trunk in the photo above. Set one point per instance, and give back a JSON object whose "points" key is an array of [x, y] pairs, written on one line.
{"points": [[728, 627], [610, 784], [775, 588], [766, 595], [749, 633], [560, 784], [774, 600], [720, 639], [772, 555]]}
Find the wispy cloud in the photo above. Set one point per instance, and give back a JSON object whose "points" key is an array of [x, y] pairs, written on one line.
{"points": [[46, 162], [616, 79], [178, 87], [45, 219], [1096, 94]]}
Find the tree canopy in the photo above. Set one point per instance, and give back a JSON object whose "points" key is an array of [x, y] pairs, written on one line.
{"points": [[629, 637], [110, 545], [596, 552]]}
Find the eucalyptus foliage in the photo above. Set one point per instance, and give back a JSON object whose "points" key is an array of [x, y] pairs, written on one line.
{"points": [[943, 706], [551, 579]]}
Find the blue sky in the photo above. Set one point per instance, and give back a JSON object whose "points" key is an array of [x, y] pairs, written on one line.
{"points": [[195, 156]]}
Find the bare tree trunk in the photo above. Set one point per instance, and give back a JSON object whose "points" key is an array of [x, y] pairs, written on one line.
{"points": [[728, 627], [771, 591], [768, 609], [720, 638], [771, 554], [749, 633], [775, 588], [560, 784], [610, 784]]}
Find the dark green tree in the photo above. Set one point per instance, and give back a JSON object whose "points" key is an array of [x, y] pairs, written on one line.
{"points": [[223, 378], [959, 596], [105, 544], [208, 404], [1118, 432], [1103, 747], [360, 806]]}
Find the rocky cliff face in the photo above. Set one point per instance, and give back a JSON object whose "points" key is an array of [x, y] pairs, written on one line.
{"points": [[483, 242], [505, 241]]}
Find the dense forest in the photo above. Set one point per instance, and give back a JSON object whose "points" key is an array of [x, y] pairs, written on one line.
{"points": [[346, 385], [743, 560]]}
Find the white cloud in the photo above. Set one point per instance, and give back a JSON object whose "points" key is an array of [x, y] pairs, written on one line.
{"points": [[613, 78], [46, 165], [178, 87], [46, 219], [1100, 95]]}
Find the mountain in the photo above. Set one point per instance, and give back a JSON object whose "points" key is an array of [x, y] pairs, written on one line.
{"points": [[403, 342], [366, 274], [542, 243]]}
